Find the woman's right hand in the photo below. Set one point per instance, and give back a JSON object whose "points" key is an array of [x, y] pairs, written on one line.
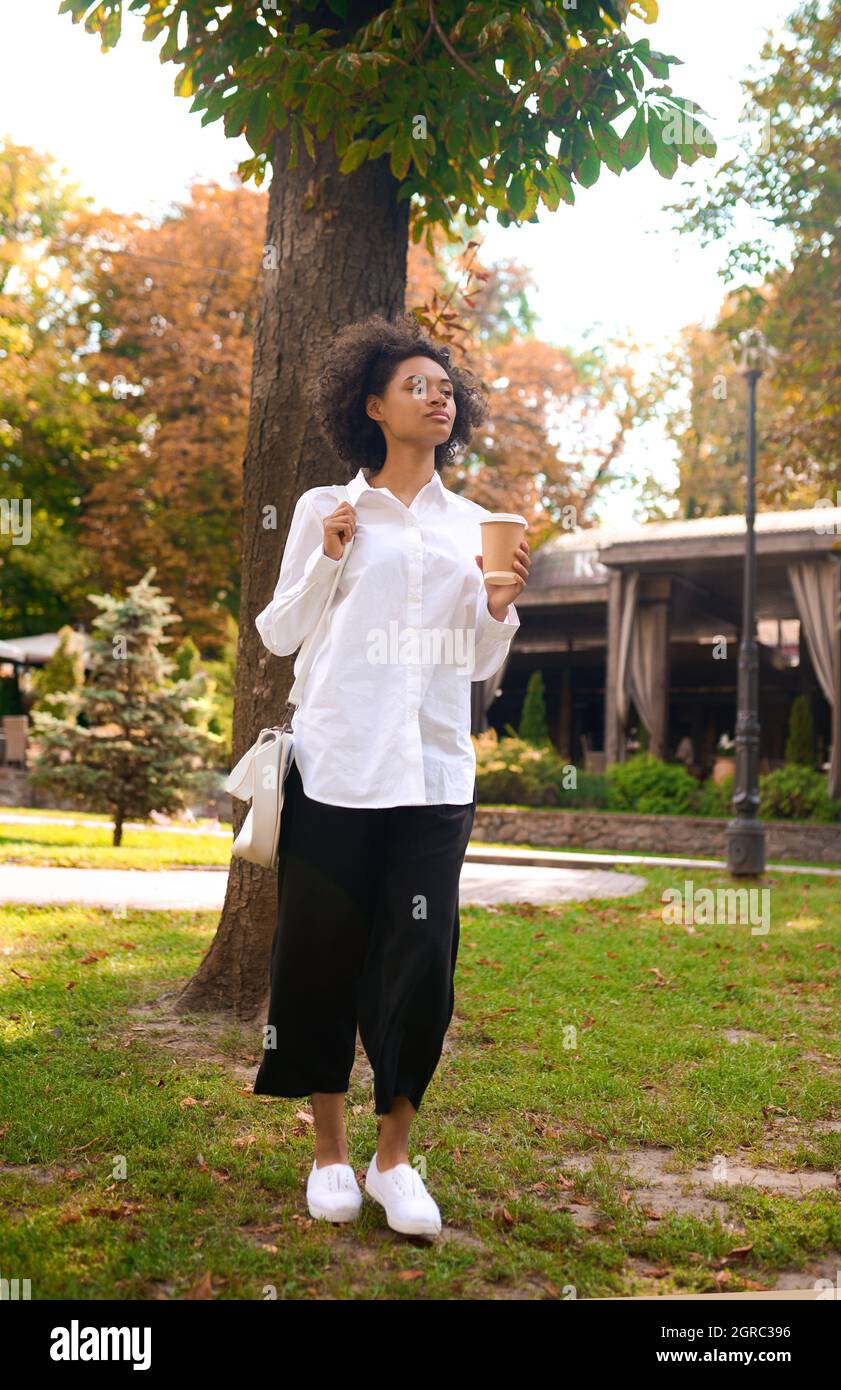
{"points": [[339, 527]]}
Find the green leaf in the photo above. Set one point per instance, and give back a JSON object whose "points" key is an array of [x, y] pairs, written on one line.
{"points": [[169, 47], [532, 196], [704, 140], [517, 193], [355, 154], [382, 142], [662, 153], [634, 142], [657, 63], [420, 154], [588, 166], [559, 187], [682, 130], [401, 155], [607, 144], [624, 86], [308, 140]]}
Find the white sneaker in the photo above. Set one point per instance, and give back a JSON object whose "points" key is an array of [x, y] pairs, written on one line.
{"points": [[408, 1206], [333, 1193]]}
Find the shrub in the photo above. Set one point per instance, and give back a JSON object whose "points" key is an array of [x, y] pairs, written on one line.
{"points": [[800, 744], [651, 787], [513, 771], [510, 771], [715, 798], [591, 789], [796, 793]]}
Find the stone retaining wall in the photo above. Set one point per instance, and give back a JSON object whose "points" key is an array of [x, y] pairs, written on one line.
{"points": [[690, 836]]}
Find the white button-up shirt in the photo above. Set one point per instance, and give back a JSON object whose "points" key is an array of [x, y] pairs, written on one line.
{"points": [[384, 718]]}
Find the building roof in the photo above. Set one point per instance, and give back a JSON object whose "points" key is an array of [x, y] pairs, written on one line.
{"points": [[33, 651], [582, 556]]}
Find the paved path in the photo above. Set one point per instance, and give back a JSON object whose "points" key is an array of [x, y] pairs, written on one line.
{"points": [[479, 853], [490, 875], [204, 889]]}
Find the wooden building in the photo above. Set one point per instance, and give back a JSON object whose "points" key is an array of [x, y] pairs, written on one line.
{"points": [[640, 628]]}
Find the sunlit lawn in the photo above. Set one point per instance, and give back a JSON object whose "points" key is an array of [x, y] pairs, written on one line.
{"points": [[90, 845]]}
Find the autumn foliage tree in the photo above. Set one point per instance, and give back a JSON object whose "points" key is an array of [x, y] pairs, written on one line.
{"points": [[775, 208], [177, 305], [559, 418], [51, 421], [380, 122]]}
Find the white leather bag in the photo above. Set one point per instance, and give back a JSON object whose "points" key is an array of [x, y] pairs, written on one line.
{"points": [[260, 774]]}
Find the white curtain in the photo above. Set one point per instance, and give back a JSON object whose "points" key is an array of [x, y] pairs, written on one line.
{"points": [[815, 587], [483, 694], [626, 627], [642, 668], [636, 666]]}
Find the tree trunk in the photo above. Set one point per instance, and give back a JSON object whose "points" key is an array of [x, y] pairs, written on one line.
{"points": [[339, 261]]}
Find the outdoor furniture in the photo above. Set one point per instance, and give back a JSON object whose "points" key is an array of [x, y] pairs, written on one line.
{"points": [[15, 727], [594, 761]]}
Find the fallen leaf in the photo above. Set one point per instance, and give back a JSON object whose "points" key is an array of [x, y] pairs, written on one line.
{"points": [[738, 1252], [203, 1287]]}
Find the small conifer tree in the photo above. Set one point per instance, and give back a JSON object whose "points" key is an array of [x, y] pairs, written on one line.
{"points": [[136, 752], [533, 724], [800, 744]]}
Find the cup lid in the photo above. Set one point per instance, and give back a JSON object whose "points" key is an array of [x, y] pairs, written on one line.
{"points": [[503, 516]]}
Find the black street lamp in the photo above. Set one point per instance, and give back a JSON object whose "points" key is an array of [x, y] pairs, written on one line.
{"points": [[746, 834]]}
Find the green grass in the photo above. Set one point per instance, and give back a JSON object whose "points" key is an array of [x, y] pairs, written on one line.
{"points": [[214, 1177], [89, 846]]}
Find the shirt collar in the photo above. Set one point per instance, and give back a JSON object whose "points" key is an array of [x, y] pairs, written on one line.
{"points": [[433, 491]]}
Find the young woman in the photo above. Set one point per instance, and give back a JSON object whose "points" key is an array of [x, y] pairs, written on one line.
{"points": [[380, 798]]}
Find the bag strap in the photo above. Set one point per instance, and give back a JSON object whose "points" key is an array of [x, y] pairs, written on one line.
{"points": [[309, 647]]}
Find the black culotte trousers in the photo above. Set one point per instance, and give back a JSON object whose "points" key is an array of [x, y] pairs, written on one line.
{"points": [[367, 935]]}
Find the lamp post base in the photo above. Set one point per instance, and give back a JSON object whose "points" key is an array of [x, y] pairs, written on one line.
{"points": [[745, 846]]}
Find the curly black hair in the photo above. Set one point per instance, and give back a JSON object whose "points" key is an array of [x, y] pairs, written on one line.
{"points": [[362, 360]]}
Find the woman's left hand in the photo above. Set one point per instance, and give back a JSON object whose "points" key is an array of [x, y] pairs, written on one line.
{"points": [[501, 595]]}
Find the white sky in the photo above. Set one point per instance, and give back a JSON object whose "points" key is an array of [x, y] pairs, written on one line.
{"points": [[611, 263]]}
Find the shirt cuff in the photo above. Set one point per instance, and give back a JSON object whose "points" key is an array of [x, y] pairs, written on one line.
{"points": [[501, 627], [319, 567]]}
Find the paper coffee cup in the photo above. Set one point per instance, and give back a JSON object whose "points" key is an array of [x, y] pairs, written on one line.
{"points": [[501, 534]]}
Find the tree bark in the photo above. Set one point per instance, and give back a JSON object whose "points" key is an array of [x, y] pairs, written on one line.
{"points": [[339, 261]]}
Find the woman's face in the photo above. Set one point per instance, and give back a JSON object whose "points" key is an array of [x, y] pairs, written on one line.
{"points": [[418, 406]]}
